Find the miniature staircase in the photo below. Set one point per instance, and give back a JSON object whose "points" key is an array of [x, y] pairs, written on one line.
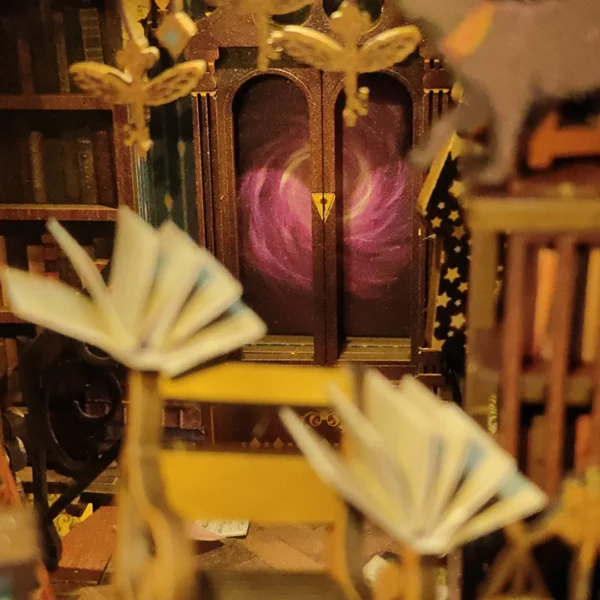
{"points": [[87, 551]]}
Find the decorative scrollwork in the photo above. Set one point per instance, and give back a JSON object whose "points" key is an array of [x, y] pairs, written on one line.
{"points": [[61, 382], [492, 420], [316, 418], [73, 435]]}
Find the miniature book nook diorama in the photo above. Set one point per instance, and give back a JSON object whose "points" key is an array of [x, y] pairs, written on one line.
{"points": [[300, 299]]}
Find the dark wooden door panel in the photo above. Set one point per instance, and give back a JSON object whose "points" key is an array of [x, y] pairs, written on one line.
{"points": [[269, 149], [372, 243]]}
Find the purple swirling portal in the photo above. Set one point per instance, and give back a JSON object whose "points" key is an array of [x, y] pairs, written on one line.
{"points": [[275, 202]]}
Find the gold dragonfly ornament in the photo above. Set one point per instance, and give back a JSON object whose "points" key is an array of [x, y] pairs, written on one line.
{"points": [[130, 84], [262, 11], [575, 520], [325, 53], [577, 523]]}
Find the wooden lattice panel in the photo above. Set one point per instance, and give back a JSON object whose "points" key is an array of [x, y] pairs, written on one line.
{"points": [[536, 338]]}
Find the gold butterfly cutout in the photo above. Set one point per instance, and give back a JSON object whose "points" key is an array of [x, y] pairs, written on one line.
{"points": [[323, 52], [262, 11], [131, 85]]}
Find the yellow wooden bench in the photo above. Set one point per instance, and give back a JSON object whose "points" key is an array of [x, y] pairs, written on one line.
{"points": [[164, 489]]}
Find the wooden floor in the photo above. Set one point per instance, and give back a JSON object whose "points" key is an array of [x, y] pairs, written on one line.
{"points": [[283, 548], [86, 568]]}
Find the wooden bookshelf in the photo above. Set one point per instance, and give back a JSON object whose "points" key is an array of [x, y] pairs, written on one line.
{"points": [[71, 101], [35, 212], [62, 153], [537, 370]]}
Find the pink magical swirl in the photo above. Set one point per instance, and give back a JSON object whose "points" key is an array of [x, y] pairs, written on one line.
{"points": [[275, 202]]}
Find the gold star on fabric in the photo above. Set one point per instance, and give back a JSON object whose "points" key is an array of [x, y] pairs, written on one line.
{"points": [[435, 223], [454, 215], [452, 274], [458, 321], [463, 286], [443, 300], [457, 249], [458, 232], [441, 205], [457, 188]]}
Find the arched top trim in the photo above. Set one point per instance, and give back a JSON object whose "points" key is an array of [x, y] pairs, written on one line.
{"points": [[406, 84], [256, 74]]}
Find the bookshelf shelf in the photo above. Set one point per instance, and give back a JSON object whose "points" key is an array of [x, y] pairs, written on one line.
{"points": [[7, 317], [68, 212], [62, 155], [486, 360], [52, 102]]}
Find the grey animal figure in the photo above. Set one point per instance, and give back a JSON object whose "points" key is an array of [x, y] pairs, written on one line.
{"points": [[509, 56]]}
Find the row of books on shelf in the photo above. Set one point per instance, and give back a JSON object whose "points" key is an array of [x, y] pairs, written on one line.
{"points": [[586, 318], [65, 167], [40, 39], [579, 434], [9, 361], [47, 259]]}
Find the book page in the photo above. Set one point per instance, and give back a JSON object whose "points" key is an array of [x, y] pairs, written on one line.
{"points": [[473, 465], [454, 433], [197, 532], [57, 306], [455, 466], [92, 280], [240, 327], [370, 457], [133, 267], [408, 436], [518, 499], [486, 472], [181, 261], [330, 467], [227, 529], [465, 444], [373, 569], [216, 291]]}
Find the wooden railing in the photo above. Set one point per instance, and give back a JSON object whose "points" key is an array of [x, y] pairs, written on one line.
{"points": [[534, 325]]}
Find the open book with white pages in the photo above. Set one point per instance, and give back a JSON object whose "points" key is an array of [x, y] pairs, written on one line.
{"points": [[420, 468], [169, 304]]}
